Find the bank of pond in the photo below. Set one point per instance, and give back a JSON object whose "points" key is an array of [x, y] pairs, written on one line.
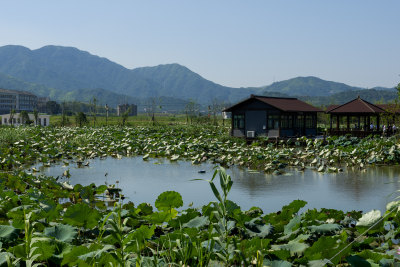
{"points": [[52, 219]]}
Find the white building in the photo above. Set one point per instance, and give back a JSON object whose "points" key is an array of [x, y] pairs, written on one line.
{"points": [[43, 119]]}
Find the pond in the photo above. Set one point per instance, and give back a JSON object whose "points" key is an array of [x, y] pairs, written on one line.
{"points": [[142, 181]]}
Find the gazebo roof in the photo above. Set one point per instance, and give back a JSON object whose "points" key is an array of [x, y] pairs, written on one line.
{"points": [[390, 108], [357, 105]]}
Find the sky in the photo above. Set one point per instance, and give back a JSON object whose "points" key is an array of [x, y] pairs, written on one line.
{"points": [[233, 43]]}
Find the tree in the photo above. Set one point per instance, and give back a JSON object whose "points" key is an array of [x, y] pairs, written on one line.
{"points": [[24, 116], [93, 110], [64, 119], [215, 108], [81, 119], [153, 104], [12, 113], [106, 108], [36, 116], [53, 107], [125, 115], [191, 109]]}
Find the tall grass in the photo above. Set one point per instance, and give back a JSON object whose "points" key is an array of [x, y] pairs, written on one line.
{"points": [[10, 135]]}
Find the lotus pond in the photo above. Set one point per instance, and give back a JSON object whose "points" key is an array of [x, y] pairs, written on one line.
{"points": [[44, 221], [141, 180]]}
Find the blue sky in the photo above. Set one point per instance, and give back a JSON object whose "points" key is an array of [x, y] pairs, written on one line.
{"points": [[230, 42]]}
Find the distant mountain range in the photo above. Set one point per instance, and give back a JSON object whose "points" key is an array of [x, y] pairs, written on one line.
{"points": [[66, 73]]}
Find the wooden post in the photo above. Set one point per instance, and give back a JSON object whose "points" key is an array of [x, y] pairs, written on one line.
{"points": [[337, 122], [378, 123], [368, 122]]}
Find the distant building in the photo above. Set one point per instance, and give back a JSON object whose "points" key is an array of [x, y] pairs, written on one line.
{"points": [[17, 100], [43, 119], [42, 104], [124, 107]]}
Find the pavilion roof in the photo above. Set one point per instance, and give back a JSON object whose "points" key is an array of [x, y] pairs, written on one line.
{"points": [[391, 108], [357, 105], [286, 104]]}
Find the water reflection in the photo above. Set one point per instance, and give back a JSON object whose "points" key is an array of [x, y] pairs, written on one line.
{"points": [[143, 181]]}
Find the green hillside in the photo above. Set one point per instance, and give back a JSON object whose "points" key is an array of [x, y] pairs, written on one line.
{"points": [[308, 86], [370, 95], [86, 95]]}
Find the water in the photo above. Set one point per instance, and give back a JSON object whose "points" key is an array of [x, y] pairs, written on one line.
{"points": [[142, 181]]}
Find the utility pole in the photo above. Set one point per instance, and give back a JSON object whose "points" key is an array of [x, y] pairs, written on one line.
{"points": [[106, 107]]}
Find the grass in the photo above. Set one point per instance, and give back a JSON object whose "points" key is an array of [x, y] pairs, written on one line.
{"points": [[139, 120]]}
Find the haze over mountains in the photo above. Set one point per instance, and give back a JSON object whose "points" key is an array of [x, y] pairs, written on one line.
{"points": [[66, 73]]}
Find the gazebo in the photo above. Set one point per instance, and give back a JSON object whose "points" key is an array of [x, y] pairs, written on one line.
{"points": [[357, 117]]}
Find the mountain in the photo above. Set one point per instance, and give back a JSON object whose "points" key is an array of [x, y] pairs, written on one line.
{"points": [[67, 73], [308, 86], [69, 69], [179, 81]]}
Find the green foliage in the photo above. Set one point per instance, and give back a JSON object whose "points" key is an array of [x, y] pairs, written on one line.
{"points": [[81, 119]]}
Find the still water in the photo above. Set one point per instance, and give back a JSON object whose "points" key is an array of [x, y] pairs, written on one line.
{"points": [[142, 181]]}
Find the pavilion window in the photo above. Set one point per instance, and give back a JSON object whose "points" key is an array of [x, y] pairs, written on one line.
{"points": [[299, 121], [238, 121], [286, 121], [310, 122], [273, 122]]}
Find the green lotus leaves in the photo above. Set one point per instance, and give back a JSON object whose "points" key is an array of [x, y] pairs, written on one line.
{"points": [[168, 200], [61, 232], [8, 233], [81, 215]]}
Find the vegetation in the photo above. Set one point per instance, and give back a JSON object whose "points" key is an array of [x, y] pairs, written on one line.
{"points": [[45, 220]]}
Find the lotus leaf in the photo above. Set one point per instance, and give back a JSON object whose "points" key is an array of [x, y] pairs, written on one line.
{"points": [[325, 228], [359, 261], [293, 224], [8, 233], [197, 222], [81, 215], [168, 200], [255, 228], [369, 218], [276, 263], [62, 232], [294, 247]]}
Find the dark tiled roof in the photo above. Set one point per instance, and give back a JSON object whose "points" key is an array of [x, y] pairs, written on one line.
{"points": [[357, 105], [392, 108], [329, 108], [282, 103]]}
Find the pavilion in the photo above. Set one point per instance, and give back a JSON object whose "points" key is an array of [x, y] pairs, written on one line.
{"points": [[357, 117]]}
